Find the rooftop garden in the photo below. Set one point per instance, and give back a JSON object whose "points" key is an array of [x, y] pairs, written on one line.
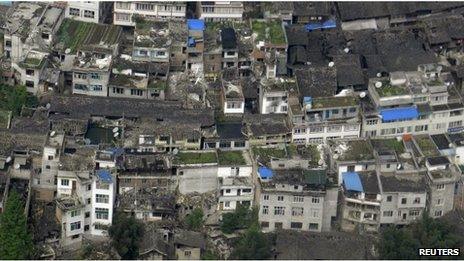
{"points": [[391, 144], [388, 90], [312, 153], [33, 62], [275, 34], [358, 150], [72, 33], [231, 158], [266, 154], [426, 145], [329, 102], [195, 158], [158, 85]]}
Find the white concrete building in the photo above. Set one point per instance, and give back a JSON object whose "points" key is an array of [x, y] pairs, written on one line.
{"points": [[216, 11], [88, 11], [124, 13]]}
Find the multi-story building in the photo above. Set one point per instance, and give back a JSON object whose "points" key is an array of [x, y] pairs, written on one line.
{"points": [[89, 11], [195, 46], [217, 11], [235, 180], [412, 102], [152, 41], [274, 96], [126, 13], [232, 97], [298, 199]]}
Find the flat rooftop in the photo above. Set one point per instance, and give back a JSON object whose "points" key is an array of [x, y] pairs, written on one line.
{"points": [[189, 158], [271, 32]]}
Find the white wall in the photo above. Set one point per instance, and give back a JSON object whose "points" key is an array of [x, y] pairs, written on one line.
{"points": [[244, 171]]}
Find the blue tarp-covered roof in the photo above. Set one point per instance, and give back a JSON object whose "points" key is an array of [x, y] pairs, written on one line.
{"points": [[352, 181], [329, 24], [104, 175], [265, 173], [403, 113], [196, 24], [313, 26]]}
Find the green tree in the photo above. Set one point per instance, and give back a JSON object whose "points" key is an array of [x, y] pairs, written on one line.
{"points": [[194, 221], [252, 245], [427, 233], [210, 255], [14, 98], [126, 233], [242, 217], [15, 239]]}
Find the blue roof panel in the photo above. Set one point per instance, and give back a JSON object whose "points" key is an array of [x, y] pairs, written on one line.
{"points": [[196, 24], [313, 26], [329, 24], [105, 175], [265, 173], [352, 181], [404, 113]]}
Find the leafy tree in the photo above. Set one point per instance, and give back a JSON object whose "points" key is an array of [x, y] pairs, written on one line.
{"points": [[14, 98], [242, 217], [426, 233], [252, 245], [126, 233], [15, 239], [194, 221], [210, 255]]}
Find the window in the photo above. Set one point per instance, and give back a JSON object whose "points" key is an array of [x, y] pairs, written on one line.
{"points": [[89, 14], [100, 198], [439, 202], [227, 190], [388, 213], [296, 225], [122, 17], [87, 214], [246, 190], [123, 5], [29, 72], [315, 200], [404, 201], [315, 213], [50, 157], [239, 144], [278, 225], [75, 225], [144, 7], [89, 200], [160, 53], [316, 129], [313, 226], [266, 197], [96, 88], [297, 211], [224, 144], [264, 224], [80, 76], [279, 211], [136, 92], [75, 213], [65, 182], [265, 210], [187, 253], [438, 213], [101, 213], [371, 122], [47, 166], [178, 8], [284, 108], [455, 124], [440, 126], [89, 187], [101, 226], [74, 11], [441, 187], [86, 228], [421, 128], [8, 43], [81, 87], [297, 131], [298, 198], [227, 204], [414, 213], [30, 84], [280, 198], [95, 76], [417, 201]]}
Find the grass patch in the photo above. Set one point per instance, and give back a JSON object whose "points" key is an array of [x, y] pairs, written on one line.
{"points": [[72, 33], [231, 158], [195, 158], [266, 154], [276, 33], [388, 90]]}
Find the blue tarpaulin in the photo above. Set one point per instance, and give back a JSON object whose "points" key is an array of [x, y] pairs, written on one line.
{"points": [[352, 181], [191, 42], [313, 26], [329, 24], [104, 175], [196, 24], [395, 114], [265, 173]]}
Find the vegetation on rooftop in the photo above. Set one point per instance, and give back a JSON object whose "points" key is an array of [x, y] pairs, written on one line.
{"points": [[266, 154], [388, 90], [231, 158], [426, 146], [195, 158], [72, 33], [126, 233], [328, 102], [158, 85], [394, 144], [275, 35], [13, 98], [358, 150]]}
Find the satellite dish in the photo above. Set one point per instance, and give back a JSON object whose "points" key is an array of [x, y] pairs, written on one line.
{"points": [[362, 94], [346, 50], [335, 156], [331, 64], [17, 166], [116, 134], [48, 106], [378, 84], [115, 129], [175, 151], [8, 159], [450, 145], [52, 133], [67, 51], [320, 162], [379, 74], [398, 167], [439, 68]]}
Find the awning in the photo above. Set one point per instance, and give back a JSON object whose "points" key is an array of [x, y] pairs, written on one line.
{"points": [[352, 181], [404, 113]]}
